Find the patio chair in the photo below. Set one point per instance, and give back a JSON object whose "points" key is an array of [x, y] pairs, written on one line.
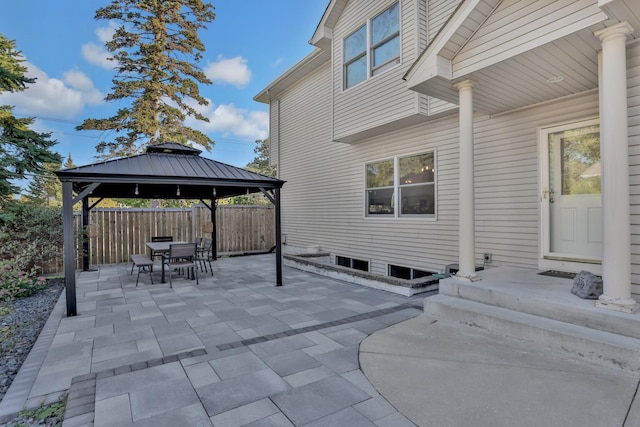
{"points": [[160, 239], [181, 256], [205, 254]]}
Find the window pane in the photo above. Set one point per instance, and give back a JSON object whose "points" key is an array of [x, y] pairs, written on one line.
{"points": [[343, 261], [417, 200], [380, 202], [359, 264], [355, 44], [380, 174], [385, 25], [581, 170], [417, 169], [386, 52], [356, 72], [400, 272]]}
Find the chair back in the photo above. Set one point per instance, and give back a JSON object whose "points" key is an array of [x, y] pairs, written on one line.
{"points": [[207, 243], [162, 238], [182, 250]]}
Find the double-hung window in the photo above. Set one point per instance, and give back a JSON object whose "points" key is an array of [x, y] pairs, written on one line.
{"points": [[372, 48], [407, 182]]}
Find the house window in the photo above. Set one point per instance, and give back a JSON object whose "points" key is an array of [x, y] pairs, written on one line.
{"points": [[416, 185], [407, 272], [385, 40], [372, 48], [355, 57], [356, 264], [413, 185], [380, 188]]}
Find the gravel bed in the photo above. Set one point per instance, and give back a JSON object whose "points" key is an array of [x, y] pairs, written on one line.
{"points": [[19, 331]]}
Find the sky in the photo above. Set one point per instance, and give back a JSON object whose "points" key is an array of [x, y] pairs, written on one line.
{"points": [[248, 46]]}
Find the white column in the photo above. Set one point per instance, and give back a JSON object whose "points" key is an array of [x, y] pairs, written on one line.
{"points": [[466, 239], [614, 149]]}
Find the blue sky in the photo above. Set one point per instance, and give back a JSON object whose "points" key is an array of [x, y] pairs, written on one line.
{"points": [[248, 45]]}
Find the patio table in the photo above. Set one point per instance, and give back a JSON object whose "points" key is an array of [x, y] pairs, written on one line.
{"points": [[161, 248]]}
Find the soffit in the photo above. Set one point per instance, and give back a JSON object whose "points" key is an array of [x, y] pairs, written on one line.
{"points": [[521, 75]]}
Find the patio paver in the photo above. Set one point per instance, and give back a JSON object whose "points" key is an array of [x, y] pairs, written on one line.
{"points": [[233, 351]]}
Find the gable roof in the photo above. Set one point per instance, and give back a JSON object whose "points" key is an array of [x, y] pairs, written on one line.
{"points": [[157, 173], [324, 31]]}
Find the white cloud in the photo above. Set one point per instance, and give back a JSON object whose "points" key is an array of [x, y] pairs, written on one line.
{"points": [[80, 81], [105, 34], [233, 71], [53, 97], [229, 120], [96, 53]]}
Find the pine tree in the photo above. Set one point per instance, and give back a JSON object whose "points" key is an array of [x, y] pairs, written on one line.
{"points": [[69, 163], [156, 51], [260, 163], [45, 188], [22, 150]]}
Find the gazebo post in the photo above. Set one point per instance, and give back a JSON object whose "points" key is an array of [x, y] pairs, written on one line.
{"points": [[85, 234], [214, 230], [69, 247], [278, 239]]}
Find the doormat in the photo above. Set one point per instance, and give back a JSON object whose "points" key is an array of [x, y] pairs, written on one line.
{"points": [[556, 273]]}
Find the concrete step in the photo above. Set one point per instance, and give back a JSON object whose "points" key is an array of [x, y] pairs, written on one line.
{"points": [[549, 301], [604, 347]]}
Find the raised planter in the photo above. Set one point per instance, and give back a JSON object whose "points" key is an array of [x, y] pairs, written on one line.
{"points": [[319, 263]]}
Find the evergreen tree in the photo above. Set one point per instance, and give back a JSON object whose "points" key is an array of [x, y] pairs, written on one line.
{"points": [[260, 163], [69, 163], [22, 150], [156, 51], [45, 188]]}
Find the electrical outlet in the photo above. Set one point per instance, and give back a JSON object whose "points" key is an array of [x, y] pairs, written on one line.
{"points": [[487, 258]]}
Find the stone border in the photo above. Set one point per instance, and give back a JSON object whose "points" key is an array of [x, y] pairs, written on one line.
{"points": [[305, 262]]}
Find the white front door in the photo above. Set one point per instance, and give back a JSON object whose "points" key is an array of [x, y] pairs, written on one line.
{"points": [[571, 198]]}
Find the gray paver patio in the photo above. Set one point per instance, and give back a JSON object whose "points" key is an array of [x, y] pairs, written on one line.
{"points": [[233, 351]]}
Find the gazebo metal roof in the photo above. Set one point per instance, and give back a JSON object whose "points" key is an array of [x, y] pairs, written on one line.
{"points": [[164, 171], [157, 173]]}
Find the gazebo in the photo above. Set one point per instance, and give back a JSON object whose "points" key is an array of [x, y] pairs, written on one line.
{"points": [[164, 171]]}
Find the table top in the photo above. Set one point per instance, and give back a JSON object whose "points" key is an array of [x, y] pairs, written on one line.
{"points": [[161, 246]]}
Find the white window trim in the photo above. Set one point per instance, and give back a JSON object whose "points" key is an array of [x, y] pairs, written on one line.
{"points": [[369, 49], [396, 187]]}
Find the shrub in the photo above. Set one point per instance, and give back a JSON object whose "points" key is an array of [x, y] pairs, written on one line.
{"points": [[17, 283], [33, 237]]}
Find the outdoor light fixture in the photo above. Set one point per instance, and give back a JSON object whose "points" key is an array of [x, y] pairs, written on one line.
{"points": [[247, 191], [214, 191], [136, 192], [178, 191]]}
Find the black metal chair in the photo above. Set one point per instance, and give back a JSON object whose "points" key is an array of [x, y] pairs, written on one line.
{"points": [[205, 254], [181, 256]]}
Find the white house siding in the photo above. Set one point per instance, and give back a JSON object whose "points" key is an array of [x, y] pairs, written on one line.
{"points": [[518, 26], [383, 99], [439, 12], [323, 199], [633, 74], [507, 172]]}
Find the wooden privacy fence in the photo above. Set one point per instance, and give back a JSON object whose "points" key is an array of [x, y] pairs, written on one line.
{"points": [[116, 233]]}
